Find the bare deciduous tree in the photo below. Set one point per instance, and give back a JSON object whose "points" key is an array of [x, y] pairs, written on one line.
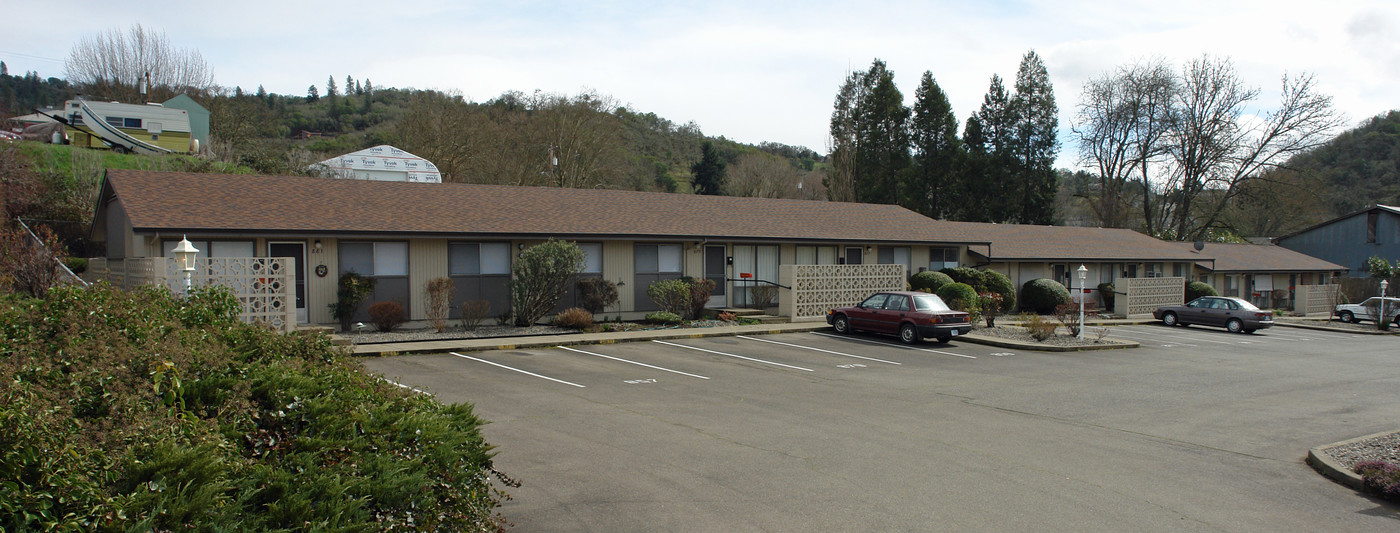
{"points": [[112, 65], [1119, 126]]}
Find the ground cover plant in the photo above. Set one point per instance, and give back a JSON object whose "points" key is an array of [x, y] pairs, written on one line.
{"points": [[142, 411]]}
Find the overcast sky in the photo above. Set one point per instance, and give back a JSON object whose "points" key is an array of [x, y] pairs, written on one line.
{"points": [[750, 71]]}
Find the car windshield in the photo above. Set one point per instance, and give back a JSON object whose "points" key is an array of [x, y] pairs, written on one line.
{"points": [[929, 302]]}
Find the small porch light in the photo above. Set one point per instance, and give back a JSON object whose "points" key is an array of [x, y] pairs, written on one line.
{"points": [[316, 245], [185, 253]]}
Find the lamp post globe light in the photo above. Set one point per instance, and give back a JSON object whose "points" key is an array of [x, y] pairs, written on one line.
{"points": [[1380, 320], [1083, 274], [185, 253]]}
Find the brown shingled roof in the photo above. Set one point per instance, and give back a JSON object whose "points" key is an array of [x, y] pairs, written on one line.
{"points": [[173, 201], [1017, 242], [1230, 257]]}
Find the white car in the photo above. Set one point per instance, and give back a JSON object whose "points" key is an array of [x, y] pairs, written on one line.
{"points": [[1368, 309]]}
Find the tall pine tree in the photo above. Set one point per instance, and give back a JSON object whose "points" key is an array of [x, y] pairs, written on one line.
{"points": [[931, 187], [1035, 145], [882, 138], [707, 175], [999, 196]]}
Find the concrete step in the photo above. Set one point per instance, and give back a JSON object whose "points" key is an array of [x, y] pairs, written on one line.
{"points": [[740, 311], [769, 319]]}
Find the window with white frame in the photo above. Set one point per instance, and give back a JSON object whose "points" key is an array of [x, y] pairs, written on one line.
{"points": [[212, 248]]}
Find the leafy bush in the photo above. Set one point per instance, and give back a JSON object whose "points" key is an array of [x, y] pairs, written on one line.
{"points": [[671, 295], [725, 316], [596, 294], [574, 317], [1196, 289], [1039, 327], [961, 293], [141, 411], [387, 315], [77, 264], [663, 317], [352, 289], [1042, 295], [998, 283], [473, 312], [540, 277], [1106, 294], [1380, 477], [990, 305], [1379, 268], [929, 281], [440, 292]]}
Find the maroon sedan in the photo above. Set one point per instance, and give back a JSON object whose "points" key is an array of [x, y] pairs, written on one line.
{"points": [[914, 316]]}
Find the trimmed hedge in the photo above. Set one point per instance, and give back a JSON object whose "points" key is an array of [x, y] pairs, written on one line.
{"points": [[960, 296], [929, 281], [1043, 295], [1196, 289], [986, 281], [141, 411]]}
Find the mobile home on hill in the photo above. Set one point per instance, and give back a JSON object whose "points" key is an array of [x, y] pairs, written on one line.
{"points": [[150, 128]]}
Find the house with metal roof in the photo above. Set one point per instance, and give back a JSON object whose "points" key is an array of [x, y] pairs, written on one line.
{"points": [[1265, 274], [405, 234], [1350, 239]]}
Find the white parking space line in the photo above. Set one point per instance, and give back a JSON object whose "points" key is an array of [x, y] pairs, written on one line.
{"points": [[1196, 338], [515, 369], [819, 350], [732, 355], [632, 362], [402, 386], [1134, 334], [892, 345]]}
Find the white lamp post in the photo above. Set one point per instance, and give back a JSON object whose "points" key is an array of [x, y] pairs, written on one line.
{"points": [[1083, 273], [184, 255], [1381, 318]]}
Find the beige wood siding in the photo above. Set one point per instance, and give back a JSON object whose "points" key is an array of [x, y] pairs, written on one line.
{"points": [[320, 291], [617, 266], [427, 259]]}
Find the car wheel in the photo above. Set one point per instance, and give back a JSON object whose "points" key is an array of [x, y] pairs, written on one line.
{"points": [[1169, 319], [908, 334], [944, 339], [1234, 325], [1348, 317], [841, 324]]}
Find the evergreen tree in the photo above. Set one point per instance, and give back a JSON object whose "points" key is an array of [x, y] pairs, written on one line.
{"points": [[311, 95], [237, 91], [369, 89], [999, 198], [932, 189], [262, 93], [974, 188], [349, 85], [4, 70], [1035, 118], [330, 87], [839, 180], [882, 138], [707, 175]]}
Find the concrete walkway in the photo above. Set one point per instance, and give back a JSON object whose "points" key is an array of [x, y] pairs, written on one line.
{"points": [[579, 339]]}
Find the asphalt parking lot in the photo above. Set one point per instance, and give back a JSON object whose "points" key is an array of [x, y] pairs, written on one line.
{"points": [[1196, 430]]}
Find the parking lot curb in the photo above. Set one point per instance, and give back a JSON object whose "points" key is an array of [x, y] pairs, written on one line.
{"points": [[1337, 330], [1328, 466], [1003, 343], [582, 339]]}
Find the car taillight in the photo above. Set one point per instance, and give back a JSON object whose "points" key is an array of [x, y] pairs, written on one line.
{"points": [[1262, 316], [935, 320]]}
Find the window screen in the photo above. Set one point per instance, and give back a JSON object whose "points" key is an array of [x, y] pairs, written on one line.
{"points": [[495, 258], [463, 259], [391, 259], [592, 258], [357, 257]]}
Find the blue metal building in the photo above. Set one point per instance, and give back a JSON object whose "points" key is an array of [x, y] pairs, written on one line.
{"points": [[1350, 239]]}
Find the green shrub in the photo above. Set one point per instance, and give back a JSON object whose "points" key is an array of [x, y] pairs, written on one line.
{"points": [[671, 295], [77, 264], [1043, 295], [387, 316], [1106, 295], [182, 418], [998, 283], [1039, 327], [968, 275], [959, 296], [1196, 289], [595, 294], [929, 281], [663, 317], [352, 289], [540, 277], [574, 317], [990, 305]]}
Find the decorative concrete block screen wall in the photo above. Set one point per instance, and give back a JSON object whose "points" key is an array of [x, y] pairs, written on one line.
{"points": [[263, 285], [1316, 299], [816, 289], [1143, 295]]}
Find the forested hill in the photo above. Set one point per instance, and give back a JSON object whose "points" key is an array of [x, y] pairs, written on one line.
{"points": [[1359, 167]]}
